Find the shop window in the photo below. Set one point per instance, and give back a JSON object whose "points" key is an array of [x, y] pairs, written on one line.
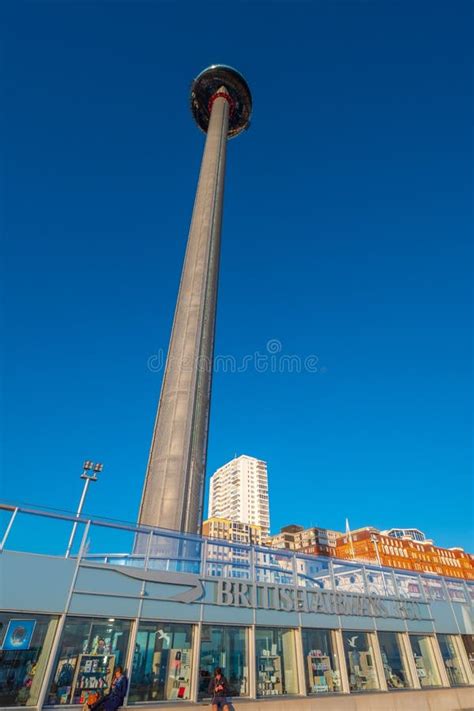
{"points": [[89, 650], [25, 645], [468, 641], [452, 660], [321, 664], [394, 660], [224, 647], [276, 662], [425, 662], [358, 648], [161, 662]]}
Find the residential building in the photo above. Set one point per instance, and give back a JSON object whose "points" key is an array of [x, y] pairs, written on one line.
{"points": [[239, 492], [414, 533], [286, 537], [314, 540], [370, 545], [234, 531]]}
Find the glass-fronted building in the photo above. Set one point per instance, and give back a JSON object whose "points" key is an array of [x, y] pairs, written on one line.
{"points": [[280, 624]]}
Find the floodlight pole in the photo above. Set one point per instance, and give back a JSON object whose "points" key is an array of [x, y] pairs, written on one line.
{"points": [[88, 466]]}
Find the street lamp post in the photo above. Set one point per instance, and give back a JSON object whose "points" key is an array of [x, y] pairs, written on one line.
{"points": [[376, 546], [89, 473]]}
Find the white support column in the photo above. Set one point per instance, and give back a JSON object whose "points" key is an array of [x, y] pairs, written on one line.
{"points": [[461, 650], [422, 588], [196, 650], [130, 655], [9, 528], [204, 551], [300, 662], [339, 646], [439, 661], [62, 620], [374, 641], [251, 662], [405, 640]]}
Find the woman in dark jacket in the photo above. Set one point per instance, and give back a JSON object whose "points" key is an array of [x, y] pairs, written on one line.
{"points": [[112, 701], [219, 690]]}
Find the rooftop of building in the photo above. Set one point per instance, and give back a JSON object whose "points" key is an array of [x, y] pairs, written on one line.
{"points": [[239, 457]]}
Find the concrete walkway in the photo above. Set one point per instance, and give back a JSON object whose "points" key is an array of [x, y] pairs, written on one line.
{"points": [[461, 699]]}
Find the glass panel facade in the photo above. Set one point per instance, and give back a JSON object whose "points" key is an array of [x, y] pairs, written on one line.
{"points": [[360, 661], [321, 664], [425, 662], [227, 561], [451, 659], [161, 662], [88, 652], [380, 582], [395, 664], [349, 578], [468, 641], [313, 573], [456, 591], [224, 647], [25, 645], [274, 567], [275, 655], [408, 586], [433, 588]]}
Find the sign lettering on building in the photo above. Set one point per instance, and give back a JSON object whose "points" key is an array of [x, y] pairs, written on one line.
{"points": [[326, 602], [267, 596]]}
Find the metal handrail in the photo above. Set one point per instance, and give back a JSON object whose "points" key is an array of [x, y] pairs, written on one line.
{"points": [[105, 523], [205, 541]]}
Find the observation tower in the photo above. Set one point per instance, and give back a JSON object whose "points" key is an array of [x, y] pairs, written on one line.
{"points": [[173, 491]]}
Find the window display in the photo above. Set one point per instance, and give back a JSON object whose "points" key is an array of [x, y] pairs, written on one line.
{"points": [[395, 663], [224, 647], [451, 659], [321, 663], [276, 662], [161, 662], [88, 652], [425, 662], [358, 648], [25, 643], [468, 641]]}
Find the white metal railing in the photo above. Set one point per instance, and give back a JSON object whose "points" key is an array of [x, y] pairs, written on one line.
{"points": [[145, 547]]}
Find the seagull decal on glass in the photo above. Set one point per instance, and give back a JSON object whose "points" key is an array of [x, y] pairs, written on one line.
{"points": [[164, 635]]}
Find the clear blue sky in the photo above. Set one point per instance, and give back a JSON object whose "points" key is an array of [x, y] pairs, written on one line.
{"points": [[346, 235]]}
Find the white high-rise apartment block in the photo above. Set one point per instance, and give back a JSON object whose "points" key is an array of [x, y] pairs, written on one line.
{"points": [[239, 492]]}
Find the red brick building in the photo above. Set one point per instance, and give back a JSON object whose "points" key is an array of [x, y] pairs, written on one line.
{"points": [[370, 545]]}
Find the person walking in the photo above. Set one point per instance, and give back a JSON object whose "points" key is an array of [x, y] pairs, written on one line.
{"points": [[219, 690]]}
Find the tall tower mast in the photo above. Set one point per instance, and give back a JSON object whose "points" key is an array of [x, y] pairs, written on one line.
{"points": [[173, 492]]}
